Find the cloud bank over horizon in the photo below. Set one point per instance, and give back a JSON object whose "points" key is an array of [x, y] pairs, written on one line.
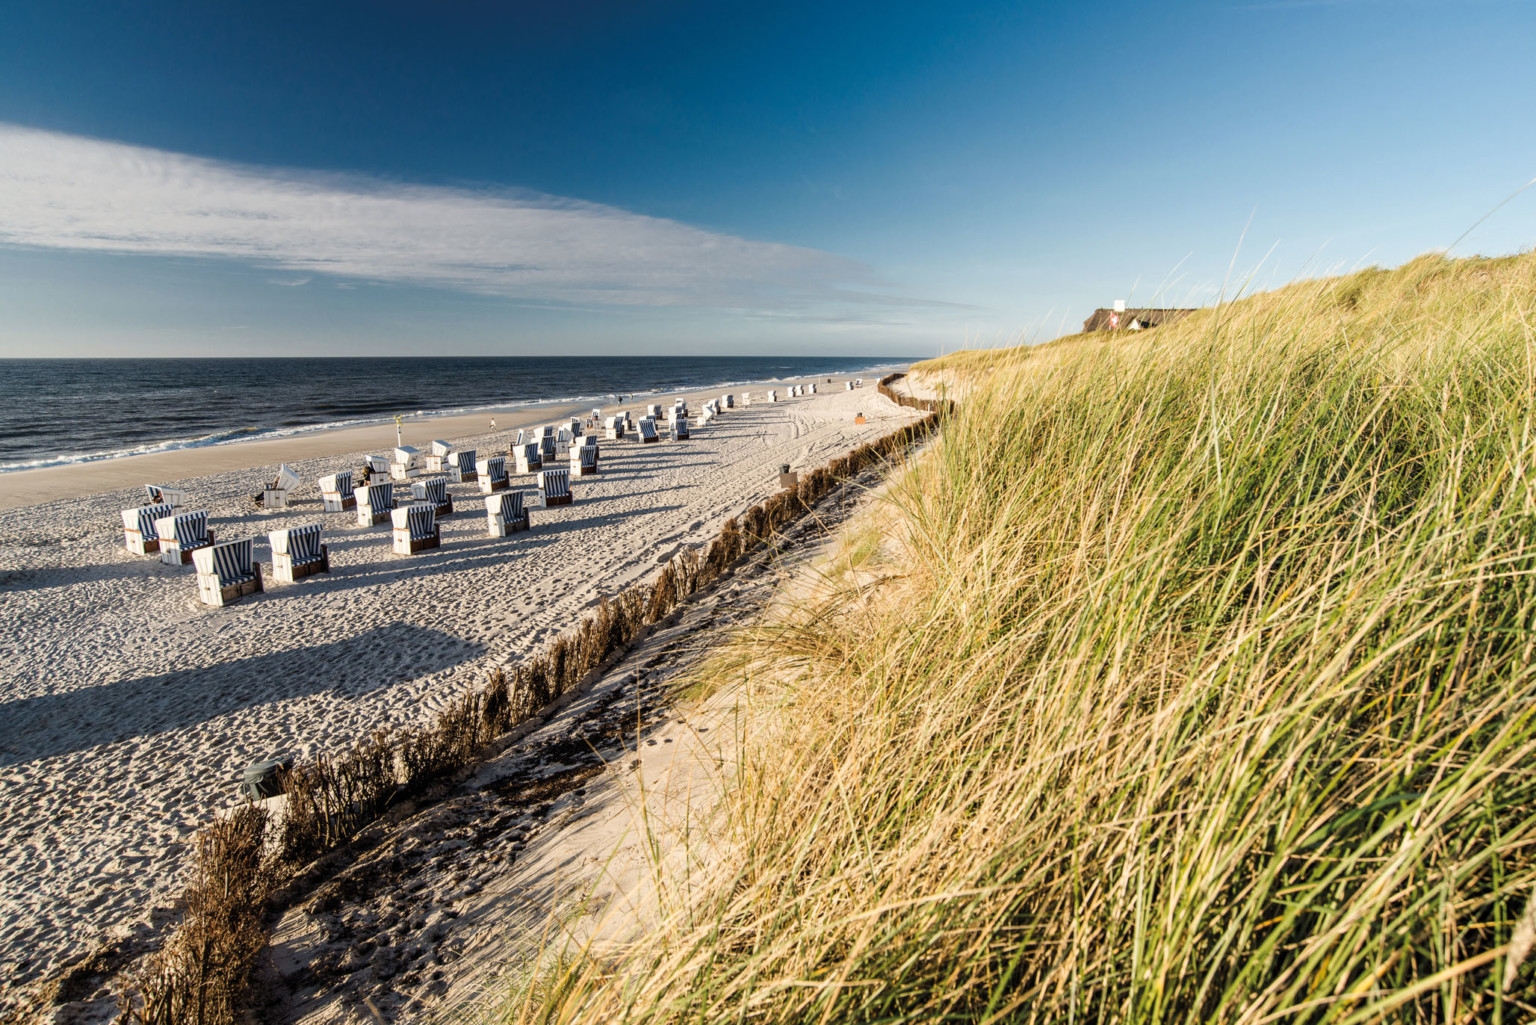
{"points": [[68, 192]]}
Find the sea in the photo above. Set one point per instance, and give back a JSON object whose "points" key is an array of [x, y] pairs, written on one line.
{"points": [[59, 411]]}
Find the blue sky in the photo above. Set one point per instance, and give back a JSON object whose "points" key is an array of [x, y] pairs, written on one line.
{"points": [[484, 177]]}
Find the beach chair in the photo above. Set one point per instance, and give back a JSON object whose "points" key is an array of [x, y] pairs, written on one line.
{"points": [[773, 396], [648, 431], [556, 485], [275, 494], [746, 398], [463, 468], [728, 401], [813, 388], [406, 463], [584, 461], [613, 428], [374, 502], [181, 534], [377, 466], [336, 492], [547, 452], [297, 552], [680, 429], [653, 411], [227, 572], [521, 439], [504, 513], [437, 458], [574, 426], [493, 475], [563, 443], [848, 385], [527, 458], [415, 528], [139, 534], [164, 494], [434, 492]]}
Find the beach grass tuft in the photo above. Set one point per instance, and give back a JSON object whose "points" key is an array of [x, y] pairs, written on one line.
{"points": [[1204, 694]]}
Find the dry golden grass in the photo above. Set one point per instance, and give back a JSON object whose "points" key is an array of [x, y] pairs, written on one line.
{"points": [[1203, 693]]}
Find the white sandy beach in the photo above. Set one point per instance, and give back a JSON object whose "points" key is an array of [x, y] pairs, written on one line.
{"points": [[128, 709]]}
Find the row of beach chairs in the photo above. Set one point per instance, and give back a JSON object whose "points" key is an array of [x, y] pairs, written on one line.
{"points": [[227, 570]]}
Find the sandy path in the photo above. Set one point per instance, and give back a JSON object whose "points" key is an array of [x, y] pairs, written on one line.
{"points": [[127, 709]]}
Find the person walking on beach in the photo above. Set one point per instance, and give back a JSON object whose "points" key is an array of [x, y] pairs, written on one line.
{"points": [[493, 425]]}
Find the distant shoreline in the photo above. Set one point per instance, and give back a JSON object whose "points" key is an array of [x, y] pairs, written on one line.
{"points": [[64, 481]]}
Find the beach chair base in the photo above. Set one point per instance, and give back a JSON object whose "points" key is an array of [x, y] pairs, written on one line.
{"points": [[274, 498], [437, 464], [172, 554], [336, 504], [135, 543], [407, 545], [577, 470], [367, 518], [399, 471], [559, 500], [210, 593], [499, 527], [647, 441], [490, 487], [465, 477], [286, 572], [446, 509]]}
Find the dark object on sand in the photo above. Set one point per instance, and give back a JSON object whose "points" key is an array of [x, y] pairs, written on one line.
{"points": [[265, 779]]}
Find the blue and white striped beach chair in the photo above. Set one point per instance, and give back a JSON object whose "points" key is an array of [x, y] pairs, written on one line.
{"points": [[182, 534], [680, 429], [226, 572], [164, 494], [648, 431], [563, 439], [434, 491], [336, 492], [374, 501], [613, 428], [728, 401], [583, 460], [139, 534], [378, 466], [528, 458], [505, 514], [463, 468], [556, 485], [493, 474], [547, 447], [298, 552], [415, 528]]}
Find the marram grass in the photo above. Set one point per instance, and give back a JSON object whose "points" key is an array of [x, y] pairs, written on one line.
{"points": [[1194, 685]]}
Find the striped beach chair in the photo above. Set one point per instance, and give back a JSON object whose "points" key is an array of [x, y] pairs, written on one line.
{"points": [[648, 431], [504, 513], [556, 485], [437, 457], [527, 458], [563, 441], [164, 494], [377, 466], [492, 473], [336, 492], [406, 463], [374, 502], [415, 528], [680, 429], [139, 534], [463, 468], [583, 460], [298, 552], [434, 492], [547, 449], [613, 428], [227, 572], [653, 411], [181, 534], [728, 401]]}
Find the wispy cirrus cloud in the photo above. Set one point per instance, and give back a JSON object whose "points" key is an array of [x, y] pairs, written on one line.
{"points": [[68, 192]]}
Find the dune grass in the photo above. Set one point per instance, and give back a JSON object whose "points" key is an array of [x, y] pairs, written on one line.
{"points": [[1196, 686]]}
